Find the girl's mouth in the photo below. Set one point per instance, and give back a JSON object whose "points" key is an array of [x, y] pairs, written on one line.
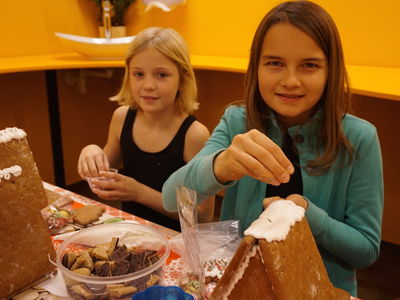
{"points": [[290, 97], [149, 98]]}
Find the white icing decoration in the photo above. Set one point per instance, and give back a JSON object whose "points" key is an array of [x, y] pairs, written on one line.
{"points": [[10, 133], [275, 222], [239, 272], [6, 173]]}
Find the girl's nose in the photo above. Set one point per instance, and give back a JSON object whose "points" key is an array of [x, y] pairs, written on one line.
{"points": [[149, 83], [291, 81]]}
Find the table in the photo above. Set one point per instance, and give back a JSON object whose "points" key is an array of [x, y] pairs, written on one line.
{"points": [[53, 193]]}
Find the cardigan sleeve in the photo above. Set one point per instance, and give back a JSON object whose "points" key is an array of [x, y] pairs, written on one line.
{"points": [[356, 239]]}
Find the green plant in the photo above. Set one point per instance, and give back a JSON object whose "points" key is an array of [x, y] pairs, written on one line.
{"points": [[118, 7]]}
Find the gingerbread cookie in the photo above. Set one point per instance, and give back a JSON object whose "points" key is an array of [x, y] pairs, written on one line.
{"points": [[88, 214]]}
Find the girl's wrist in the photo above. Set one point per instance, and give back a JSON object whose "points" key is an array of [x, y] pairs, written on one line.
{"points": [[218, 169]]}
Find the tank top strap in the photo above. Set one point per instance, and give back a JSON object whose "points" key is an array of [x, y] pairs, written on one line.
{"points": [[128, 124], [178, 142], [185, 126]]}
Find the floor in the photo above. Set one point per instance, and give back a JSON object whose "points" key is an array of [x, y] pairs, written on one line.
{"points": [[380, 281]]}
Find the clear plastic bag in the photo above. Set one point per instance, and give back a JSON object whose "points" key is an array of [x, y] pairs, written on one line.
{"points": [[216, 240], [193, 281], [202, 245]]}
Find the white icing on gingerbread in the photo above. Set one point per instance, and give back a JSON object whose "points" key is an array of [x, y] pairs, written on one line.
{"points": [[10, 133], [5, 174], [275, 222], [239, 272]]}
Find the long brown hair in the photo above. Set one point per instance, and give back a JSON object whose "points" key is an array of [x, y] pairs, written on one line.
{"points": [[335, 100]]}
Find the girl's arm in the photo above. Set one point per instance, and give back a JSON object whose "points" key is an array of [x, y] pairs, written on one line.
{"points": [[113, 148], [196, 137]]}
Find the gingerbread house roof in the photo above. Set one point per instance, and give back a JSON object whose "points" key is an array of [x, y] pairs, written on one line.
{"points": [[272, 265]]}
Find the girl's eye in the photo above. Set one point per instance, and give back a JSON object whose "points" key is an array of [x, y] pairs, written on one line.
{"points": [[162, 75], [310, 66], [274, 64], [138, 74]]}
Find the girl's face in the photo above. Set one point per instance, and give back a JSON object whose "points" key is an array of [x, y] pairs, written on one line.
{"points": [[154, 81], [292, 73]]}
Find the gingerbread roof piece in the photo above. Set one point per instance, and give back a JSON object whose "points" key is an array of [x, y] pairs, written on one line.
{"points": [[277, 259], [24, 237]]}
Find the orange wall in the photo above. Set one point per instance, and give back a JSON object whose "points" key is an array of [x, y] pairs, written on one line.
{"points": [[369, 28]]}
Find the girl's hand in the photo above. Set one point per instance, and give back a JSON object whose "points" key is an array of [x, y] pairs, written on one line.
{"points": [[296, 198], [253, 154], [91, 161], [118, 188]]}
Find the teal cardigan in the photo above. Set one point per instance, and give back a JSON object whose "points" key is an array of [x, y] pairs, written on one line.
{"points": [[344, 204]]}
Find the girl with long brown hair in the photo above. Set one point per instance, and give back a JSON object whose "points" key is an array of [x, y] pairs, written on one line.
{"points": [[294, 139]]}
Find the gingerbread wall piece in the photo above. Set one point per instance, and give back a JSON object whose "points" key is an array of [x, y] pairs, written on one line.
{"points": [[24, 237]]}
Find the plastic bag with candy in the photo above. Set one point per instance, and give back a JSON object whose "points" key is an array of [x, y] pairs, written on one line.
{"points": [[193, 281]]}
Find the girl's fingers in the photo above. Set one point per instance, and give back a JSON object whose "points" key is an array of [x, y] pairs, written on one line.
{"points": [[106, 194], [248, 165], [105, 162], [272, 156], [255, 155], [92, 167], [264, 166]]}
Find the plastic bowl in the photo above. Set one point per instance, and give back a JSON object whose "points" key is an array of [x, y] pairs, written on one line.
{"points": [[163, 293], [132, 235], [102, 178]]}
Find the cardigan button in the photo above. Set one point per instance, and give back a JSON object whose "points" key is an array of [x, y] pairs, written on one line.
{"points": [[310, 169], [298, 138]]}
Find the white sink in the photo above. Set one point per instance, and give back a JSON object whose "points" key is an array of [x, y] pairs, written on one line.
{"points": [[97, 48]]}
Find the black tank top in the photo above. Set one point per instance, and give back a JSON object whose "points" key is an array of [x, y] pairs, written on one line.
{"points": [[151, 169]]}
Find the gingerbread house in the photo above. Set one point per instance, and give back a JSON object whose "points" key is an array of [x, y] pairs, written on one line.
{"points": [[24, 237], [277, 259]]}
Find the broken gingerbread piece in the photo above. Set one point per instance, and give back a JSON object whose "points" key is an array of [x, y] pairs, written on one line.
{"points": [[87, 214]]}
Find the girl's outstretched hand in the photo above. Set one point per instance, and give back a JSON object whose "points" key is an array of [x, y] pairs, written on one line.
{"points": [[91, 161], [253, 154]]}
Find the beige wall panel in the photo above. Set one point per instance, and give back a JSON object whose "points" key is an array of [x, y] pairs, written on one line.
{"points": [[85, 115], [384, 114], [216, 91]]}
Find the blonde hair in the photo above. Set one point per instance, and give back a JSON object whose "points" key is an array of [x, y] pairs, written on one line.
{"points": [[335, 100], [171, 44]]}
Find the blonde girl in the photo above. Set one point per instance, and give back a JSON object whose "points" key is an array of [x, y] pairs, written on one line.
{"points": [[153, 132]]}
